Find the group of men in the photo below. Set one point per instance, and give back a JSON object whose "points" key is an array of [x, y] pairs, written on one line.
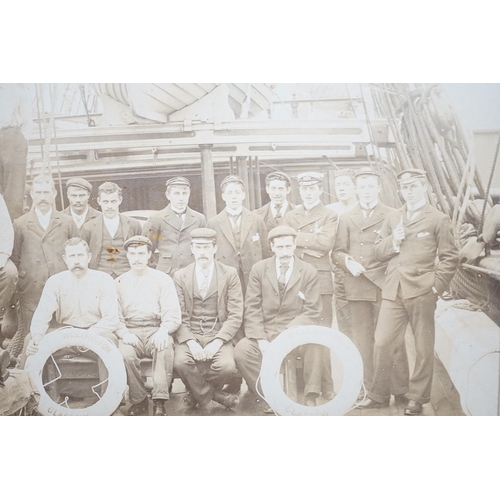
{"points": [[205, 299]]}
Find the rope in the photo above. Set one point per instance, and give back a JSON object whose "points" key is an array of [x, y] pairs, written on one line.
{"points": [[52, 111], [488, 188]]}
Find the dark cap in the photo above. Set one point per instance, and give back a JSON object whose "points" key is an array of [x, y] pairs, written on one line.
{"points": [[230, 179], [79, 183], [310, 178], [366, 171], [281, 232], [203, 234], [411, 175], [137, 241], [178, 181], [278, 176]]}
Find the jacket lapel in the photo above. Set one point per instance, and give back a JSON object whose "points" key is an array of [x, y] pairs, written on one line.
{"points": [[246, 224], [172, 219], [226, 228], [271, 273], [33, 224], [189, 219], [221, 285], [358, 218], [55, 221], [375, 217], [296, 274], [421, 215], [125, 227]]}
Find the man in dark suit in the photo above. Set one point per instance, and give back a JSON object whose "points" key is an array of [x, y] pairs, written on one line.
{"points": [[212, 311], [411, 240], [278, 186], [241, 234], [170, 228], [39, 236], [107, 233], [283, 292], [78, 191], [364, 276]]}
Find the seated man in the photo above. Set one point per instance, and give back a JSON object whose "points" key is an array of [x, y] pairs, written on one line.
{"points": [[149, 314], [283, 292], [79, 298], [212, 309]]}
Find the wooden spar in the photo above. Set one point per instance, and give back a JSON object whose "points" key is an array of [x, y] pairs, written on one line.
{"points": [[242, 166], [258, 192], [208, 181]]}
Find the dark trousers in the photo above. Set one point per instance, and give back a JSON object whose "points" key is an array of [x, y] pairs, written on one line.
{"points": [[203, 377], [363, 337], [391, 328], [8, 281], [163, 365], [13, 154], [249, 361]]}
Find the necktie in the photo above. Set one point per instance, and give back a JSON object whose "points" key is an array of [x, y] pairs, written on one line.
{"points": [[204, 286], [236, 230], [180, 214], [278, 215], [282, 280], [235, 218]]}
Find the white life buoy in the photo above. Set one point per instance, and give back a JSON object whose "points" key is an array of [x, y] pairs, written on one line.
{"points": [[110, 356], [342, 348]]}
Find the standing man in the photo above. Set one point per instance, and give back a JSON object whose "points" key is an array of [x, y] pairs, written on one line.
{"points": [[149, 315], [78, 191], [107, 233], [411, 240], [364, 276], [241, 234], [346, 194], [39, 236], [16, 125], [283, 291], [169, 229], [212, 312], [278, 186]]}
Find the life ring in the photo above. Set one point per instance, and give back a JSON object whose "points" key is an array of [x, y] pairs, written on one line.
{"points": [[110, 356], [343, 349]]}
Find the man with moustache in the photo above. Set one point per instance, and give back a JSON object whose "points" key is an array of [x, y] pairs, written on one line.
{"points": [[107, 233], [212, 311], [149, 314], [283, 292], [364, 276], [78, 191], [170, 228], [278, 186], [39, 236], [418, 245]]}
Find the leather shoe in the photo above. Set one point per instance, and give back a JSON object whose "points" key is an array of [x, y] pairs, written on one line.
{"points": [[234, 385], [159, 408], [189, 401], [268, 410], [370, 403], [413, 408], [227, 400], [401, 399], [310, 400], [139, 409]]}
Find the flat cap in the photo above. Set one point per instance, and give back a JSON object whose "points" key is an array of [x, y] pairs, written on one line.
{"points": [[281, 232], [79, 183], [411, 175], [137, 241], [278, 176], [366, 171], [310, 178], [178, 181], [204, 234], [231, 179]]}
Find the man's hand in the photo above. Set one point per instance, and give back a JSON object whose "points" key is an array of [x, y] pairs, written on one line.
{"points": [[130, 339], [33, 345], [398, 235], [355, 268], [196, 350], [213, 348], [263, 345], [161, 339]]}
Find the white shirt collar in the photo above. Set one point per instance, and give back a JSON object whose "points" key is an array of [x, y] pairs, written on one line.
{"points": [[284, 208], [416, 206], [234, 212], [371, 206], [288, 273], [112, 225], [310, 207], [43, 219], [79, 219], [201, 273]]}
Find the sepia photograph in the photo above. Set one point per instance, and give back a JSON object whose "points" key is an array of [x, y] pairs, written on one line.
{"points": [[249, 249]]}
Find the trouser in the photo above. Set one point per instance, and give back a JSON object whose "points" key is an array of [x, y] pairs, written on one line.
{"points": [[13, 155], [342, 309], [203, 377], [19, 390], [8, 281], [363, 337], [248, 357], [391, 328], [163, 365]]}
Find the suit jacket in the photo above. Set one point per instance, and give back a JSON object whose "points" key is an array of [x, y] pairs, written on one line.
{"points": [[38, 253], [254, 245], [92, 233], [229, 301], [315, 238], [91, 214], [266, 213], [355, 238], [172, 238], [266, 316], [427, 237]]}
